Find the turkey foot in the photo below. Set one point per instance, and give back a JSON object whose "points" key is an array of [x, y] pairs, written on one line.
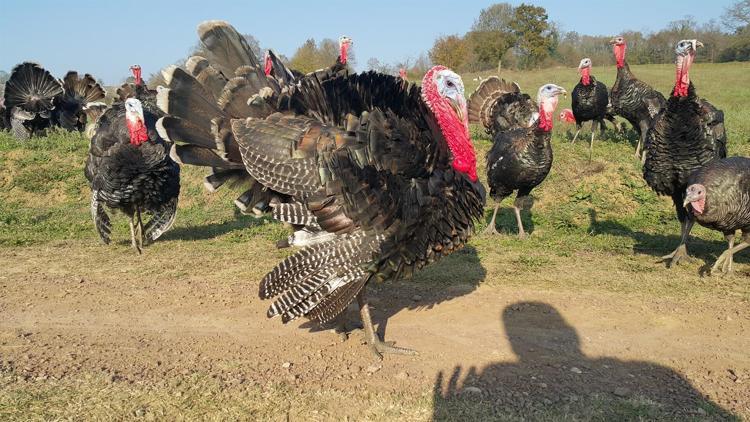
{"points": [[679, 255], [724, 261], [377, 346], [521, 233], [491, 230]]}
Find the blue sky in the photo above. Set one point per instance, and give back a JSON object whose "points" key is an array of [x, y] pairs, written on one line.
{"points": [[105, 37]]}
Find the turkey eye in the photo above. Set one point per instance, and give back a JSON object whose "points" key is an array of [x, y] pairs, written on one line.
{"points": [[450, 84]]}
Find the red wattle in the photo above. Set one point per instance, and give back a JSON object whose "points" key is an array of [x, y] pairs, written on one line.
{"points": [[343, 53], [138, 132], [545, 120], [455, 131], [620, 54], [268, 67], [682, 79], [137, 75], [567, 116], [586, 76]]}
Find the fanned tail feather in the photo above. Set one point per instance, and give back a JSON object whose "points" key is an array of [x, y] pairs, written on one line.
{"points": [[320, 280], [31, 88], [482, 101]]}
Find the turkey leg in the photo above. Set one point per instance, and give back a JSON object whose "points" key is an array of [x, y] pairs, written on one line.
{"points": [[725, 261], [491, 228], [591, 144], [686, 223], [578, 127], [136, 230], [517, 205], [377, 346], [640, 149]]}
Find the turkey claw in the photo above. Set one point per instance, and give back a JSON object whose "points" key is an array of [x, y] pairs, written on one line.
{"points": [[379, 348], [675, 258]]}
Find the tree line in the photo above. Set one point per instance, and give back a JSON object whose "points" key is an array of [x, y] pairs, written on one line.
{"points": [[524, 37]]}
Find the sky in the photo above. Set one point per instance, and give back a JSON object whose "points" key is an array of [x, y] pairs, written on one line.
{"points": [[105, 37]]}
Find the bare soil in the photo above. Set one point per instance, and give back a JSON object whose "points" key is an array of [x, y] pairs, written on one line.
{"points": [[72, 309]]}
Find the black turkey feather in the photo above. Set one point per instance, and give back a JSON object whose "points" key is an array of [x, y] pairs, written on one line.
{"points": [[718, 197], [129, 170], [383, 169], [29, 99], [632, 98], [79, 93], [590, 102], [521, 153], [685, 136]]}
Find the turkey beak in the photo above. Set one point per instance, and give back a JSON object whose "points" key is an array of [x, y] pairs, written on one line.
{"points": [[689, 197], [613, 41], [563, 92], [696, 44], [458, 106]]}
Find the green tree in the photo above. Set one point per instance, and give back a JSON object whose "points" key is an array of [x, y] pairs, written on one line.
{"points": [[533, 37], [451, 51], [497, 17], [305, 59]]}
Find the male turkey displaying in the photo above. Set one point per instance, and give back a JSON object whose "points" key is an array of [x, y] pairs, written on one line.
{"points": [[589, 102], [633, 99], [521, 153], [30, 94], [718, 196], [79, 103], [129, 170], [687, 135], [385, 167]]}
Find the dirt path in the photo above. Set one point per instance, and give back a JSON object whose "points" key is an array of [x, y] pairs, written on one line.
{"points": [[69, 309]]}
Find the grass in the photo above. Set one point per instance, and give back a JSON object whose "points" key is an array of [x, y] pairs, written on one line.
{"points": [[600, 211]]}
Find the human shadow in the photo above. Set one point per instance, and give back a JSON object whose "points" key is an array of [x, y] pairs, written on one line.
{"points": [[456, 275], [554, 380], [658, 245], [210, 231]]}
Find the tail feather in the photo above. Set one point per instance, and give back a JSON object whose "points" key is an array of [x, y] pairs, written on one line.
{"points": [[227, 49], [207, 75], [199, 156], [78, 93], [293, 213], [31, 88], [321, 279], [483, 100], [161, 221], [220, 176]]}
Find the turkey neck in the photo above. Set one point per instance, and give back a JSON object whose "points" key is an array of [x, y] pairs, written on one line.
{"points": [[682, 77], [586, 76]]}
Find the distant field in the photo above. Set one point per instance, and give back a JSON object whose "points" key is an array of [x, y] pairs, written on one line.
{"points": [[597, 231]]}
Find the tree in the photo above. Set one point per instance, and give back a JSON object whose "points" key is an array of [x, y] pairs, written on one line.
{"points": [[451, 51], [488, 47], [532, 31], [305, 58], [497, 17], [737, 16]]}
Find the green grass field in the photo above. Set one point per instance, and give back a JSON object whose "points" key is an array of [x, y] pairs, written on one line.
{"points": [[602, 210]]}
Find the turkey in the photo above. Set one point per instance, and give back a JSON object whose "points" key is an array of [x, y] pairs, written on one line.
{"points": [[633, 99], [29, 99], [687, 135], [589, 103], [79, 101], [129, 170], [718, 196], [275, 68], [521, 157], [229, 84], [500, 106], [138, 89], [385, 167], [566, 116]]}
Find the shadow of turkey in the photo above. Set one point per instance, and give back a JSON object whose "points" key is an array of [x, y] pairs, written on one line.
{"points": [[210, 231], [454, 276], [553, 379], [657, 245]]}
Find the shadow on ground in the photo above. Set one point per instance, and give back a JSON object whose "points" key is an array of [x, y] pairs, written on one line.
{"points": [[210, 231], [454, 276], [554, 380], [658, 245]]}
